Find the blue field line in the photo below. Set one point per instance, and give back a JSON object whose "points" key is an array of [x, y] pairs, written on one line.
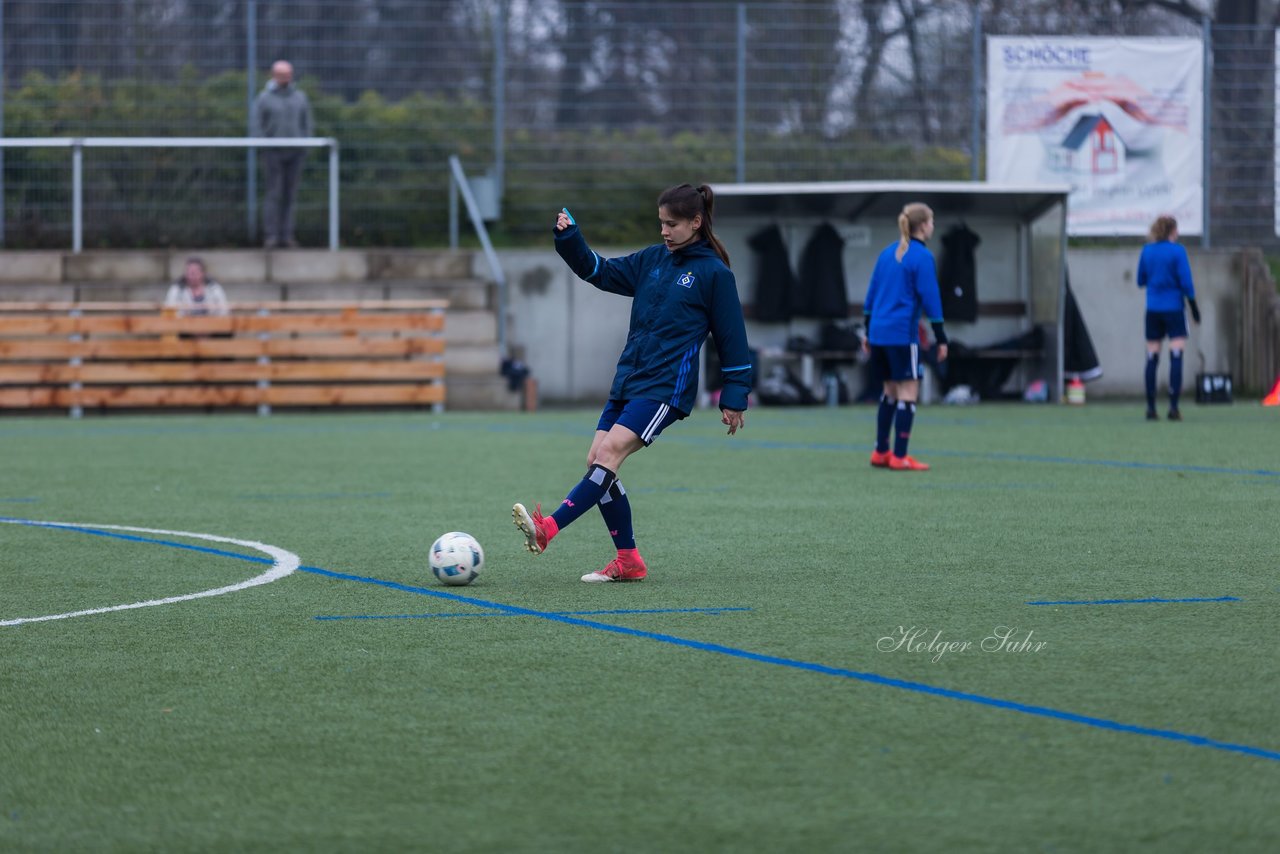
{"points": [[567, 429], [134, 538], [1150, 601], [999, 456], [18, 500], [309, 496], [872, 678], [1120, 464], [615, 611], [732, 652]]}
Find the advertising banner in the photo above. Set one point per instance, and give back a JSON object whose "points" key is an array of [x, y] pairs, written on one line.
{"points": [[1118, 119]]}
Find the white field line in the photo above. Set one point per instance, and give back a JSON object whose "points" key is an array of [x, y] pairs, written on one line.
{"points": [[285, 563]]}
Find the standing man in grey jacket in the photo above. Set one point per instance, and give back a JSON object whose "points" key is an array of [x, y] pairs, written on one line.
{"points": [[281, 110]]}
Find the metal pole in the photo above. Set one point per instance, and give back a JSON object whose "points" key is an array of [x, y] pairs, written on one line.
{"points": [[975, 133], [499, 100], [2, 80], [1206, 180], [453, 211], [251, 156], [333, 194], [77, 196], [740, 141]]}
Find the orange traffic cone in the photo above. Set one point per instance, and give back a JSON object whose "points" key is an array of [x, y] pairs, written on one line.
{"points": [[1273, 398]]}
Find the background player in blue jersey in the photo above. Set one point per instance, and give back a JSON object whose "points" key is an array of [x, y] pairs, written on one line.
{"points": [[903, 283], [680, 289], [1164, 271]]}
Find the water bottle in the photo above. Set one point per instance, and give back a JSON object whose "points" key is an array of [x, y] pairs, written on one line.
{"points": [[833, 390]]}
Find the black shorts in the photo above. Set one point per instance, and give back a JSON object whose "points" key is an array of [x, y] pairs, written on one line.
{"points": [[645, 418], [896, 362], [1166, 324]]}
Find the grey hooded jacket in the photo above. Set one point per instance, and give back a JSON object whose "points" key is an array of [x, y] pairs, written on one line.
{"points": [[282, 111]]}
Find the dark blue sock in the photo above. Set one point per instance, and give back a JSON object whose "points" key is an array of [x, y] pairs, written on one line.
{"points": [[616, 510], [1153, 363], [1175, 378], [902, 427], [585, 495], [884, 422]]}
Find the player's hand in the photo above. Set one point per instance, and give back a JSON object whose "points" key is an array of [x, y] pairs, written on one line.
{"points": [[1195, 313], [866, 346], [942, 352], [734, 419], [563, 220]]}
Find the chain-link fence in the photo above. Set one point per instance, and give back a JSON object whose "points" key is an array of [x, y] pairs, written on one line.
{"points": [[594, 105]]}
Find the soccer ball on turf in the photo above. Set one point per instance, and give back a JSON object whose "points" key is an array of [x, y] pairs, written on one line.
{"points": [[456, 558]]}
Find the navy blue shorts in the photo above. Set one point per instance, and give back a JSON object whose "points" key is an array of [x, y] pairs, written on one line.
{"points": [[1166, 324], [645, 418], [896, 362]]}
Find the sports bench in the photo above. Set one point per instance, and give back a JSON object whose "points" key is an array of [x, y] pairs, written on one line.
{"points": [[82, 356], [813, 362]]}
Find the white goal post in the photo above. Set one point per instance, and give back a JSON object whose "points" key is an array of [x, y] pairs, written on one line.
{"points": [[79, 144]]}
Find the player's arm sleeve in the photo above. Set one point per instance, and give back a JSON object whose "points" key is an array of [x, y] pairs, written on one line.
{"points": [[729, 331], [927, 288], [869, 301], [1184, 275], [615, 275], [1142, 269]]}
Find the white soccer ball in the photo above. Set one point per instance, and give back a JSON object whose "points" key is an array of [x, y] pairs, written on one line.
{"points": [[456, 558]]}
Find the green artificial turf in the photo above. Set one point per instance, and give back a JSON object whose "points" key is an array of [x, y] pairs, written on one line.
{"points": [[754, 694]]}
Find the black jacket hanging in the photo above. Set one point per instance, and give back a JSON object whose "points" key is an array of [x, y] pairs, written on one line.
{"points": [[774, 280], [821, 292], [958, 274], [1079, 359]]}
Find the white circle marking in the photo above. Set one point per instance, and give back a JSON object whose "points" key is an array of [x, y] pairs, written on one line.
{"points": [[285, 563]]}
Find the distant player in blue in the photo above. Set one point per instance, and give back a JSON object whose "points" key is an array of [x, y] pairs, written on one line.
{"points": [[903, 283], [1164, 271], [681, 289]]}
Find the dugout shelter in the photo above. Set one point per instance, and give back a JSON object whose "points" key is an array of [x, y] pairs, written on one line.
{"points": [[1020, 261]]}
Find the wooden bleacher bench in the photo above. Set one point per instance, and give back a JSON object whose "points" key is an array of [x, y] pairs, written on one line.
{"points": [[83, 356]]}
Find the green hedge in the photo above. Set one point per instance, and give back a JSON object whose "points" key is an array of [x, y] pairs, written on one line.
{"points": [[394, 167]]}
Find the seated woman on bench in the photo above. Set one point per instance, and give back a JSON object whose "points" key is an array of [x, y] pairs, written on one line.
{"points": [[195, 294]]}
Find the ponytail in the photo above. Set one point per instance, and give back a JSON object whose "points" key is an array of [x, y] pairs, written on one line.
{"points": [[686, 202], [912, 217]]}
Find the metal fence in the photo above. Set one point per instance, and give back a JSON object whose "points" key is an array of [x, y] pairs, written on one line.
{"points": [[594, 105]]}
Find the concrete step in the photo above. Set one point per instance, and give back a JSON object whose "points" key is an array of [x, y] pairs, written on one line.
{"points": [[472, 359], [465, 293], [470, 326], [231, 266], [468, 293], [463, 393]]}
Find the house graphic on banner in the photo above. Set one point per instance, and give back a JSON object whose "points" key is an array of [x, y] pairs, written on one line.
{"points": [[1092, 148], [1105, 124]]}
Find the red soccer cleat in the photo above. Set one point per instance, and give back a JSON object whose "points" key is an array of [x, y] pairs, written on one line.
{"points": [[880, 459], [619, 571], [907, 463], [532, 526]]}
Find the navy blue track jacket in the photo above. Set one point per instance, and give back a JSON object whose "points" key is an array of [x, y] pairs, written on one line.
{"points": [[897, 293], [1163, 269], [677, 298]]}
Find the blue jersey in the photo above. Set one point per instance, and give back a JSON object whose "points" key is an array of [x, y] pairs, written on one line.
{"points": [[677, 298], [898, 292], [1164, 271]]}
